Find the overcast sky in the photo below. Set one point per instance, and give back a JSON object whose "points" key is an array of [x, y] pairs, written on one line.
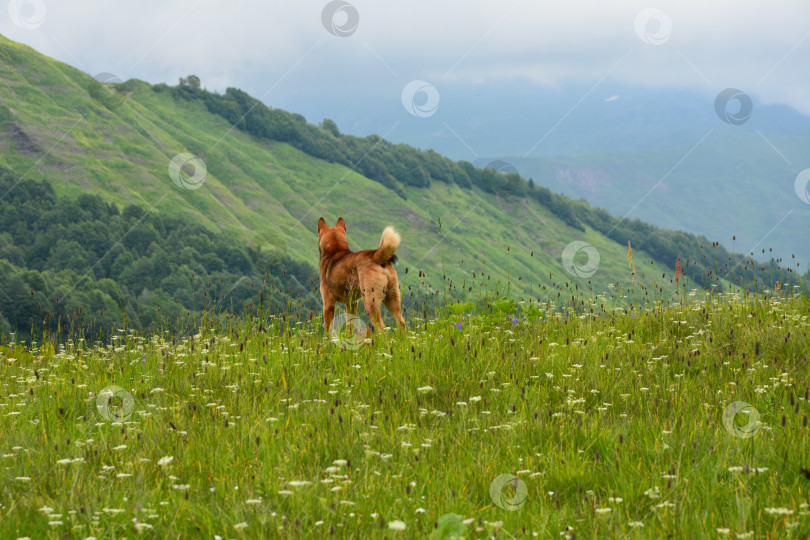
{"points": [[275, 50]]}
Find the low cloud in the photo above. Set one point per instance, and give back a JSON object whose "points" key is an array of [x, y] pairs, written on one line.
{"points": [[278, 49]]}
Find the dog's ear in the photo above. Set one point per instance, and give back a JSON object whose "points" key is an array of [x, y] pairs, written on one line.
{"points": [[341, 224], [321, 224]]}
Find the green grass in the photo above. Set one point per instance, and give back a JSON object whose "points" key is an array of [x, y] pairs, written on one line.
{"points": [[613, 422]]}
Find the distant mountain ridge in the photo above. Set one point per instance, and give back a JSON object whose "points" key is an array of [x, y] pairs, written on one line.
{"points": [[510, 118]]}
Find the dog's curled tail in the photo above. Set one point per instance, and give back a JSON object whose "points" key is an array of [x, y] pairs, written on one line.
{"points": [[388, 245]]}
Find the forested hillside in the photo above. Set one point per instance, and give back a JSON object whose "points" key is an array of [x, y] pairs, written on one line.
{"points": [[88, 263]]}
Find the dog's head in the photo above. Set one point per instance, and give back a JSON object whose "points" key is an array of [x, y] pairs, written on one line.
{"points": [[332, 239]]}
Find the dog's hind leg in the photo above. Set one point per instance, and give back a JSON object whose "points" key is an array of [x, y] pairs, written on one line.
{"points": [[393, 299], [394, 305], [372, 303]]}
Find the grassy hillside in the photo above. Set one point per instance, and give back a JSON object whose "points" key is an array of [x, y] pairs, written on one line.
{"points": [[264, 192], [61, 126], [688, 421]]}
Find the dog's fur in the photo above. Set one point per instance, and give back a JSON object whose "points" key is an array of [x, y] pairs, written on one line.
{"points": [[346, 276]]}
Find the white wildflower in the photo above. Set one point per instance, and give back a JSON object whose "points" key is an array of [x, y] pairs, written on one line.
{"points": [[296, 483]]}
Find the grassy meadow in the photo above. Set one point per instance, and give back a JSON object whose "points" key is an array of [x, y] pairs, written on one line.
{"points": [[686, 420], [521, 402]]}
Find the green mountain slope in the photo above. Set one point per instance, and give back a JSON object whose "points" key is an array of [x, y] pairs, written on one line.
{"points": [[118, 144]]}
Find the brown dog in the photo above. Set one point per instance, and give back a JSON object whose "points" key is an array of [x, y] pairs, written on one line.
{"points": [[346, 276]]}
